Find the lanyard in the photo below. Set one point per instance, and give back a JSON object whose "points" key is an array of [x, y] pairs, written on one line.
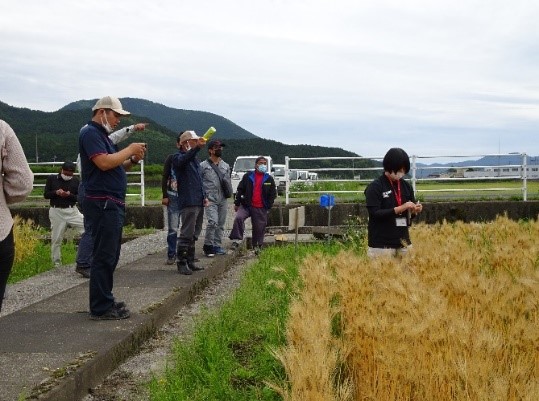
{"points": [[397, 191]]}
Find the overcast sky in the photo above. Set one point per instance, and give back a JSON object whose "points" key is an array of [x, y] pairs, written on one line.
{"points": [[432, 77]]}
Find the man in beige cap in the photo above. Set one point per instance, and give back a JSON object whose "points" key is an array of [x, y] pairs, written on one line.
{"points": [[86, 244], [105, 182]]}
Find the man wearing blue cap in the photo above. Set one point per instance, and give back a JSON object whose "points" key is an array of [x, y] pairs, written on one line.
{"points": [[218, 187]]}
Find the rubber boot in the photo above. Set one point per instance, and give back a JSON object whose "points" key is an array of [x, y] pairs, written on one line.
{"points": [[191, 259], [183, 267]]}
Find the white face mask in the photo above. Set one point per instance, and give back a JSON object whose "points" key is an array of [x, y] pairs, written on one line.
{"points": [[187, 147], [66, 177], [106, 125], [262, 168]]}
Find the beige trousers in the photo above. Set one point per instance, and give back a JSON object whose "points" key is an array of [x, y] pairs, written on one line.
{"points": [[60, 220]]}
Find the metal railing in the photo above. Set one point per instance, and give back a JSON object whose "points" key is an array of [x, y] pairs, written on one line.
{"points": [[138, 183], [458, 172]]}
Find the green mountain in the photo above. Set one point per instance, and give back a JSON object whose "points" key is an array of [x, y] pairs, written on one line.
{"points": [[53, 136], [175, 119]]}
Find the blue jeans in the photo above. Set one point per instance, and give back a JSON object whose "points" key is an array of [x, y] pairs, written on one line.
{"points": [[173, 216], [86, 244], [106, 219]]}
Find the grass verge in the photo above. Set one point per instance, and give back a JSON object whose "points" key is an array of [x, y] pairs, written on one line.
{"points": [[40, 261], [33, 253], [230, 356]]}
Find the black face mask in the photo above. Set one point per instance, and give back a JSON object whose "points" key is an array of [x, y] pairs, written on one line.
{"points": [[218, 152]]}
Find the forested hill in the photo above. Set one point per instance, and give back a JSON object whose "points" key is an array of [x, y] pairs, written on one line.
{"points": [[53, 136], [174, 119]]}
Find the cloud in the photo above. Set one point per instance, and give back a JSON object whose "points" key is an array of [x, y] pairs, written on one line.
{"points": [[429, 76]]}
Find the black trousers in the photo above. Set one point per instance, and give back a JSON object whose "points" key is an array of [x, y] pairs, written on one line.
{"points": [[107, 219], [192, 218], [7, 255]]}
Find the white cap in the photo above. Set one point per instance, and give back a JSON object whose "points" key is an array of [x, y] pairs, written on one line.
{"points": [[109, 102], [188, 135]]}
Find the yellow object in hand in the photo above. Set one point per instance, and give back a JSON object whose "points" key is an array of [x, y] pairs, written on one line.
{"points": [[209, 133]]}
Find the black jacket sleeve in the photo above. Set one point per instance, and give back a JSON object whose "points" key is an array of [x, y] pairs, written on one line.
{"points": [[166, 176], [50, 190], [272, 192], [240, 190]]}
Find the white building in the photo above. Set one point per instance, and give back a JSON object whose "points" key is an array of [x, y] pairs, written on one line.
{"points": [[532, 172]]}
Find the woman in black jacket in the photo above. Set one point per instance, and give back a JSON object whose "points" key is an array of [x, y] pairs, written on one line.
{"points": [[391, 205]]}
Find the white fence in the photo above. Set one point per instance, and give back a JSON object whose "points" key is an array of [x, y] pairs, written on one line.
{"points": [[449, 172], [138, 183]]}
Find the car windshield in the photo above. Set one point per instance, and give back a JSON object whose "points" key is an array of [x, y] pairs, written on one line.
{"points": [[279, 171], [244, 164]]}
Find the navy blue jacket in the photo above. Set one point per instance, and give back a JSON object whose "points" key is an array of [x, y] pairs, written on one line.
{"points": [[188, 174]]}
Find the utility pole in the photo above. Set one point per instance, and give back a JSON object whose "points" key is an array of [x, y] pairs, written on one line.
{"points": [[37, 156]]}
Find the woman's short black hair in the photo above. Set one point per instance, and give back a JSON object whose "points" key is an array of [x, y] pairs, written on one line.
{"points": [[395, 159]]}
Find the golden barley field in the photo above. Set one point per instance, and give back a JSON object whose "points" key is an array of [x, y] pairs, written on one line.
{"points": [[456, 319], [25, 238]]}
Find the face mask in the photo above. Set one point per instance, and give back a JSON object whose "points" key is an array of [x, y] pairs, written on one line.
{"points": [[262, 168], [106, 125], [187, 147], [66, 177], [217, 152]]}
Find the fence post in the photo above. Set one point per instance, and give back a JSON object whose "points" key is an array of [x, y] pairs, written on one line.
{"points": [[142, 189], [287, 179], [524, 177], [414, 168]]}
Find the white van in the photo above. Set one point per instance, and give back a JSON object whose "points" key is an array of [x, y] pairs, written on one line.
{"points": [[279, 177], [298, 175], [244, 164]]}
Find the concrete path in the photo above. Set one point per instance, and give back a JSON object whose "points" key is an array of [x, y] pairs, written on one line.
{"points": [[51, 350]]}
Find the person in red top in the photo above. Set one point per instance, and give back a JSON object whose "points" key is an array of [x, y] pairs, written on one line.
{"points": [[255, 195]]}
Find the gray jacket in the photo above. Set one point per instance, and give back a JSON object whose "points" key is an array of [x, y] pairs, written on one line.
{"points": [[210, 179]]}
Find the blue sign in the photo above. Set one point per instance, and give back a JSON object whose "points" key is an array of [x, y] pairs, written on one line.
{"points": [[327, 200]]}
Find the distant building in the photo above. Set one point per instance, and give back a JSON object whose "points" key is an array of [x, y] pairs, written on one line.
{"points": [[532, 172]]}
